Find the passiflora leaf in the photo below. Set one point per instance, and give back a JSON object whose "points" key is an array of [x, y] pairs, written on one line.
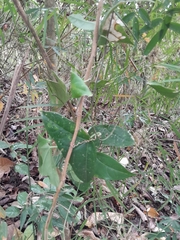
{"points": [[110, 135], [167, 92], [151, 44], [135, 28], [156, 22], [78, 87], [175, 27], [61, 130], [47, 166], [144, 15], [83, 161], [128, 17], [108, 168], [79, 21], [57, 91]]}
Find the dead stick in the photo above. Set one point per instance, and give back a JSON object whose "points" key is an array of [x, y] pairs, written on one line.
{"points": [[78, 122], [14, 83]]}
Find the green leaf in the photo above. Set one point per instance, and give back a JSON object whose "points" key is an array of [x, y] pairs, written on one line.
{"points": [[170, 66], [156, 22], [167, 92], [109, 169], [151, 44], [22, 198], [144, 15], [47, 166], [79, 21], [22, 169], [135, 28], [110, 135], [61, 130], [23, 217], [4, 145], [128, 17], [78, 87], [12, 212], [83, 161], [175, 27], [29, 233], [57, 91], [173, 10], [3, 230]]}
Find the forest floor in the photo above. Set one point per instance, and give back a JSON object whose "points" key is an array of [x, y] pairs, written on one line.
{"points": [[139, 204]]}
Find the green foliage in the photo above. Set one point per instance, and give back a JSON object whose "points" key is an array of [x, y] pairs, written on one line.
{"points": [[57, 91], [78, 87], [84, 158], [167, 92], [170, 227], [109, 135], [47, 166], [109, 169], [79, 21]]}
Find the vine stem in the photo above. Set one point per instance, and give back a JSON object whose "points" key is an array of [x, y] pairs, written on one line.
{"points": [[78, 121]]}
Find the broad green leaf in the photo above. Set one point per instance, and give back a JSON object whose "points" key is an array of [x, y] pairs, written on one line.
{"points": [[128, 17], [156, 22], [3, 230], [173, 10], [61, 130], [57, 91], [23, 217], [151, 44], [175, 27], [29, 233], [110, 135], [78, 87], [135, 28], [2, 213], [22, 198], [12, 212], [4, 145], [144, 15], [22, 169], [109, 169], [167, 92], [47, 166], [83, 161], [79, 21], [82, 186]]}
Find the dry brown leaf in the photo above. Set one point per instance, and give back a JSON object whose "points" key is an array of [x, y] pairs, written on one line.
{"points": [[5, 166], [87, 234], [99, 216], [2, 213], [42, 184], [176, 150], [25, 89], [141, 214], [1, 106], [152, 213]]}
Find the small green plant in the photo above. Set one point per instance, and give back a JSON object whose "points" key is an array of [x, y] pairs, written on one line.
{"points": [[169, 227]]}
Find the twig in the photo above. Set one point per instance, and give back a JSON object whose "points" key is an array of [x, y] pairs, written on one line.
{"points": [[14, 83], [33, 32], [78, 121]]}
